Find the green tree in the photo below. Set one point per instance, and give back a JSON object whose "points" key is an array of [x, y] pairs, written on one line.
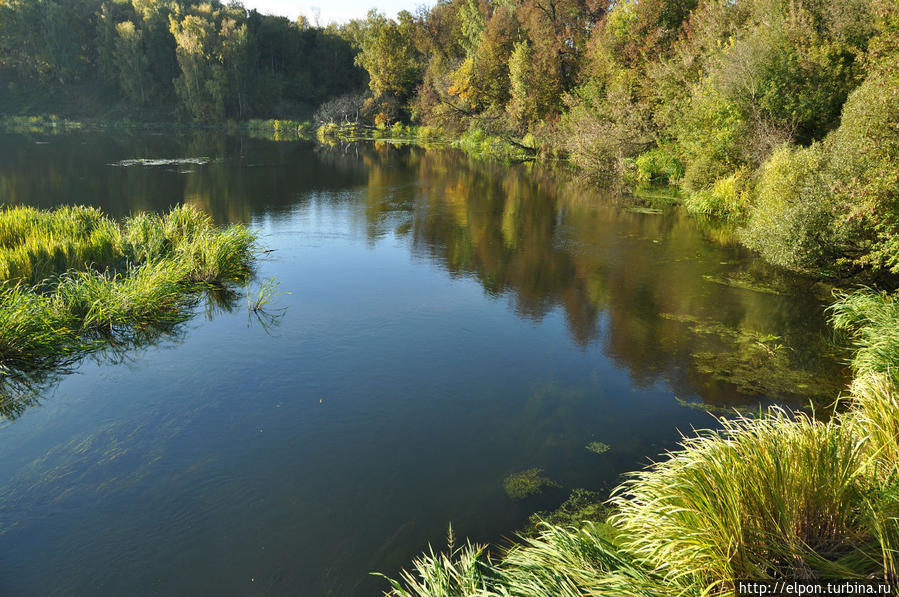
{"points": [[388, 54], [132, 61]]}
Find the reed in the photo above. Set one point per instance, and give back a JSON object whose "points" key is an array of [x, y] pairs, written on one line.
{"points": [[871, 320], [71, 276], [461, 572]]}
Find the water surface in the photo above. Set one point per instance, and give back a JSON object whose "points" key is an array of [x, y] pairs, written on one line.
{"points": [[444, 323]]}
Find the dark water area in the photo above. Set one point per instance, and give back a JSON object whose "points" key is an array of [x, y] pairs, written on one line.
{"points": [[443, 323]]}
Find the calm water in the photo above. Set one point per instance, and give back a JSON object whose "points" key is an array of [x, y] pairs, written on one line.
{"points": [[448, 323]]}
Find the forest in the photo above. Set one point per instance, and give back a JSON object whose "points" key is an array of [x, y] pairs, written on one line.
{"points": [[778, 115], [150, 58]]}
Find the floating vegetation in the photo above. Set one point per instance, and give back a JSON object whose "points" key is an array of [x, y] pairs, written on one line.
{"points": [[527, 483], [721, 409], [154, 162], [756, 364], [581, 506], [598, 447], [743, 281], [644, 210], [660, 195]]}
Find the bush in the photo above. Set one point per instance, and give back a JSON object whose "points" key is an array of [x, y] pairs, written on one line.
{"points": [[864, 169], [710, 136], [346, 109], [792, 221], [729, 197]]}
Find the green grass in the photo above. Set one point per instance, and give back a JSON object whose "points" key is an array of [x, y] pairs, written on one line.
{"points": [[871, 320], [784, 495], [72, 277], [280, 130]]}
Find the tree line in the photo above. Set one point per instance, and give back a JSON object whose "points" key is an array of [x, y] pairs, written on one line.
{"points": [[780, 115], [211, 61]]}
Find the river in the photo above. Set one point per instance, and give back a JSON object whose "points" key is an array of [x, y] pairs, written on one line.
{"points": [[442, 323]]}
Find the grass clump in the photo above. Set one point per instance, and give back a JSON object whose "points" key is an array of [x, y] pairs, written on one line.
{"points": [[526, 483], [71, 276], [461, 572], [776, 497], [728, 198], [871, 319]]}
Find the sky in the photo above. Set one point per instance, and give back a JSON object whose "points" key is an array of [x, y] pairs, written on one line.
{"points": [[330, 10]]}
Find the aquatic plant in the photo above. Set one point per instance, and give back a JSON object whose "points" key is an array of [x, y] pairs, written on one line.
{"points": [[598, 447], [581, 506], [71, 276], [526, 483], [266, 293]]}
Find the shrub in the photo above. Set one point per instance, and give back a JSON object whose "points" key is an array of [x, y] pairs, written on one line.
{"points": [[792, 221], [864, 170], [709, 135]]}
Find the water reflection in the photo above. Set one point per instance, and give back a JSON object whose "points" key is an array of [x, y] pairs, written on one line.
{"points": [[665, 301], [668, 296], [22, 388]]}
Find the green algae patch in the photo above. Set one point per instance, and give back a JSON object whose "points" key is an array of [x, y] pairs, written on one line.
{"points": [[527, 483], [721, 409], [754, 363], [581, 506], [598, 447], [743, 281]]}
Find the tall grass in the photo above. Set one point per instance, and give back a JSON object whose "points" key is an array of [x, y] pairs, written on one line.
{"points": [[780, 496], [71, 275], [777, 497], [871, 320], [458, 572]]}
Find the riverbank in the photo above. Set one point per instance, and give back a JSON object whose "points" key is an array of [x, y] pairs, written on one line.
{"points": [[74, 280]]}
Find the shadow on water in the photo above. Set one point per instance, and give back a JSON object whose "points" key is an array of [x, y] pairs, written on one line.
{"points": [[23, 387]]}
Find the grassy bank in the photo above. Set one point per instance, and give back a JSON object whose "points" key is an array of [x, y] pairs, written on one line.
{"points": [[72, 278], [781, 496]]}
